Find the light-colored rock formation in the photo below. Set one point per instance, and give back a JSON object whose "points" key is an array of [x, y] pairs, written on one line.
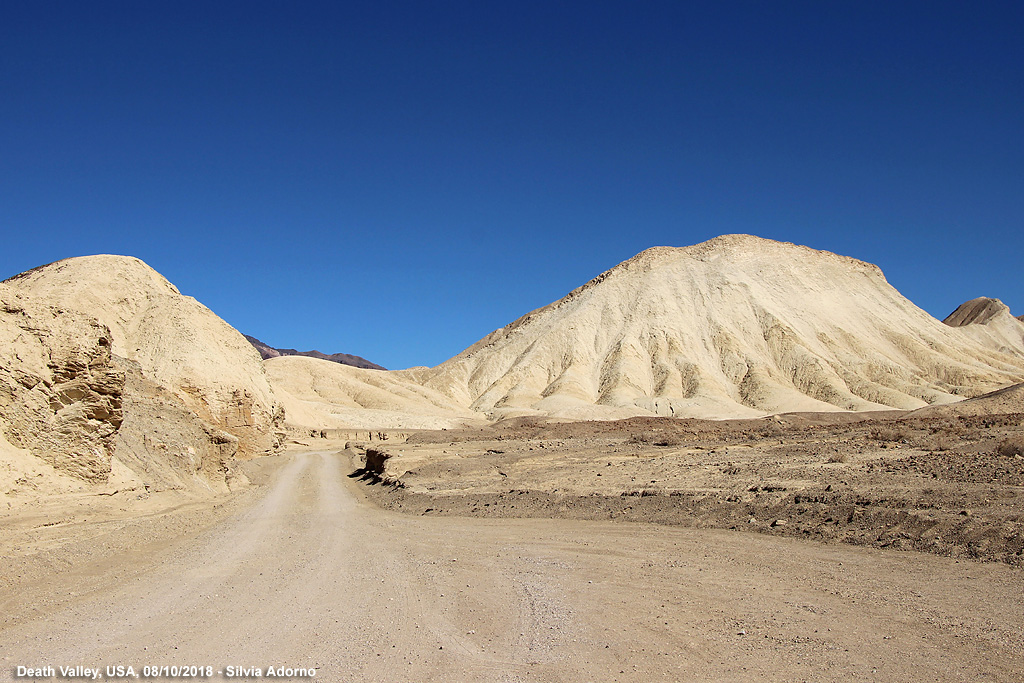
{"points": [[166, 444], [736, 326], [60, 393], [990, 322], [112, 374], [177, 343]]}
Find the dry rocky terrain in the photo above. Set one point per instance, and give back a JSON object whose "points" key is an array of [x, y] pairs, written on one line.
{"points": [[112, 380], [951, 485], [737, 326]]}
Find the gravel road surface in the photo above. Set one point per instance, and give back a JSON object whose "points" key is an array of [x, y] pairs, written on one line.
{"points": [[310, 575]]}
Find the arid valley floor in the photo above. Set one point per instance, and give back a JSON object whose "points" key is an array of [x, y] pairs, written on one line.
{"points": [[951, 486], [305, 569]]}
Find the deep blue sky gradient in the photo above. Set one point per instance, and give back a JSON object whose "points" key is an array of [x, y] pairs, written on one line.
{"points": [[396, 180]]}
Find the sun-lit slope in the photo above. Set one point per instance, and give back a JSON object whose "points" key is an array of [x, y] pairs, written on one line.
{"points": [[1000, 402], [735, 326], [990, 322], [321, 394], [177, 343]]}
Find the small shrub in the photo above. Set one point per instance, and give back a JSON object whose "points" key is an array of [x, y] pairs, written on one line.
{"points": [[838, 457], [639, 438]]}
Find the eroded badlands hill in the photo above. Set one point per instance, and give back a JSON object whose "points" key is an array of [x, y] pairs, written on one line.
{"points": [[989, 321], [186, 392], [110, 357], [736, 326]]}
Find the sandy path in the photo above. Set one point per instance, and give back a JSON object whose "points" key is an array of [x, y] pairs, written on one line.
{"points": [[313, 576]]}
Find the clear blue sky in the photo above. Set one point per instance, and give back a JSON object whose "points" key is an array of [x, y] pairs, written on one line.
{"points": [[396, 180]]}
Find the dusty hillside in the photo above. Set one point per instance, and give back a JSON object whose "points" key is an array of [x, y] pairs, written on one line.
{"points": [[177, 343], [320, 394], [990, 322], [1006, 401], [737, 326]]}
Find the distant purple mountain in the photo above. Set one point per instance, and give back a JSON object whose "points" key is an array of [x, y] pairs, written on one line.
{"points": [[343, 358]]}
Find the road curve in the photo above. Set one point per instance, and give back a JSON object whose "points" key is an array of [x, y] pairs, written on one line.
{"points": [[312, 576]]}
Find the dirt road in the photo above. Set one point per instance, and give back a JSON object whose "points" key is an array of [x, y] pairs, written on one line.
{"points": [[313, 576]]}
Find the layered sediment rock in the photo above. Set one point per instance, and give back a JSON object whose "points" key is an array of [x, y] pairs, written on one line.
{"points": [[60, 388], [178, 343], [107, 364]]}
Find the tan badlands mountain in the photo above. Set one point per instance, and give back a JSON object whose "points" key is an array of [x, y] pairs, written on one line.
{"points": [[1003, 401], [737, 326], [989, 320], [145, 382]]}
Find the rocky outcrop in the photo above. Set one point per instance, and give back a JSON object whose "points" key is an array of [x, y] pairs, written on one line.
{"points": [[61, 391], [178, 344], [376, 458], [976, 312], [110, 376], [989, 321], [166, 444]]}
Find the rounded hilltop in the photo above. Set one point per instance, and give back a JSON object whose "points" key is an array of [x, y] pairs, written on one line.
{"points": [[96, 268], [733, 248], [977, 312]]}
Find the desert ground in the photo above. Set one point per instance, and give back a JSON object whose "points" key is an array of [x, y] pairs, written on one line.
{"points": [[950, 485], [690, 550]]}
